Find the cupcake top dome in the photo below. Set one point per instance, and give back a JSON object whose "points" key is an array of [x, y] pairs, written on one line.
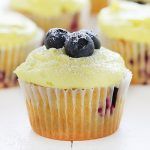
{"points": [[126, 20], [49, 8], [72, 60], [16, 28]]}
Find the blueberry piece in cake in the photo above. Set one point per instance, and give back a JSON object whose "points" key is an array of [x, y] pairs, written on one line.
{"points": [[79, 44], [94, 37], [2, 76], [114, 98], [55, 38]]}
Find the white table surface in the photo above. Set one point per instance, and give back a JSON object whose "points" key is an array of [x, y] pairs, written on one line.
{"points": [[134, 132]]}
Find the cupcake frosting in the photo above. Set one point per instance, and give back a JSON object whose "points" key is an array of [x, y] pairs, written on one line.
{"points": [[53, 68], [49, 7], [126, 20], [16, 28]]}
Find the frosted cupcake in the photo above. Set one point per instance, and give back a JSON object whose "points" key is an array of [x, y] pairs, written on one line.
{"points": [[53, 13], [18, 36], [125, 28], [97, 5], [74, 89]]}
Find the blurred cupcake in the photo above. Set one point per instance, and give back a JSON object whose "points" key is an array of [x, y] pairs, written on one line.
{"points": [[53, 13], [18, 36], [125, 28], [76, 91], [97, 5]]}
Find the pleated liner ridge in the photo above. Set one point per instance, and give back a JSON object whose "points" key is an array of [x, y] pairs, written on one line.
{"points": [[67, 20], [71, 23], [75, 114]]}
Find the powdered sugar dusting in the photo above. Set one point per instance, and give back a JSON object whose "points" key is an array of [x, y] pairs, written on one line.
{"points": [[77, 36], [103, 68]]}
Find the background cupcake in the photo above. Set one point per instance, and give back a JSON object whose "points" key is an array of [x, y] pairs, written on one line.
{"points": [[53, 13], [18, 36], [97, 5], [76, 91], [125, 28]]}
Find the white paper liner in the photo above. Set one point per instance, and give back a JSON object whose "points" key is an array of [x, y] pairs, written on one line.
{"points": [[69, 21], [74, 114], [13, 55], [64, 21], [136, 56]]}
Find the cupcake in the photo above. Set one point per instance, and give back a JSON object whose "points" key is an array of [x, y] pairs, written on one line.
{"points": [[97, 5], [53, 13], [74, 89], [125, 28], [18, 36]]}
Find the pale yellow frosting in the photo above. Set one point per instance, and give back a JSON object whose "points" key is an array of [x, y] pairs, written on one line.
{"points": [[53, 68], [127, 21], [47, 8], [16, 29]]}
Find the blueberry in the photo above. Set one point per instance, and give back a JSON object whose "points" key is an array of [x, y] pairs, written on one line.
{"points": [[55, 38], [93, 37], [78, 45]]}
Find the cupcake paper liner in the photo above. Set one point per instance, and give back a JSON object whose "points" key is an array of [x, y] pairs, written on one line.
{"points": [[69, 22], [75, 114], [136, 56], [13, 55]]}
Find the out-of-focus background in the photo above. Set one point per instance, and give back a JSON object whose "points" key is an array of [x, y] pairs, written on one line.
{"points": [[134, 132]]}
